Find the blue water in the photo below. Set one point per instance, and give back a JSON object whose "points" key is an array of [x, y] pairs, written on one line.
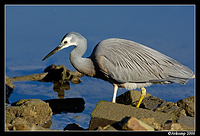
{"points": [[91, 90]]}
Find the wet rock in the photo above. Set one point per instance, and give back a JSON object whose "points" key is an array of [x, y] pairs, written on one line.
{"points": [[106, 113], [74, 105], [188, 105], [73, 126], [33, 111], [130, 97], [131, 123]]}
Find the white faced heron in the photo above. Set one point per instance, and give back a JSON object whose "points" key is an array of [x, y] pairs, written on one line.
{"points": [[124, 63]]}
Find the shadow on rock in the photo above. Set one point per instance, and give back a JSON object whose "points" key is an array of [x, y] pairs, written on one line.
{"points": [[75, 105]]}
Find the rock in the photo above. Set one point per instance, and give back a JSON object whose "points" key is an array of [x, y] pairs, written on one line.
{"points": [[172, 108], [108, 128], [33, 111], [9, 88], [9, 83], [73, 126], [131, 123], [77, 74], [151, 122], [130, 97], [186, 122], [151, 103], [176, 126], [75, 105], [33, 77], [188, 105], [61, 74], [57, 73], [75, 80], [21, 124], [106, 113], [75, 77], [47, 124]]}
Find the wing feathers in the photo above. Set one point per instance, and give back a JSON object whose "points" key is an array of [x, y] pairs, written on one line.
{"points": [[127, 61]]}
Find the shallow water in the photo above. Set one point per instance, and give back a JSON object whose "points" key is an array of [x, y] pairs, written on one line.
{"points": [[91, 90]]}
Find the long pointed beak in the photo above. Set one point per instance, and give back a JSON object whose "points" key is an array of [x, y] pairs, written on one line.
{"points": [[59, 47]]}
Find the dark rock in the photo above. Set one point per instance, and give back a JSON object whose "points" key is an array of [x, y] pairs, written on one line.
{"points": [[98, 123], [32, 110], [188, 105], [106, 113], [49, 68], [73, 126], [57, 73], [130, 97], [75, 105]]}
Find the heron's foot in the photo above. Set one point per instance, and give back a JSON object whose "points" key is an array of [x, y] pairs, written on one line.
{"points": [[143, 93]]}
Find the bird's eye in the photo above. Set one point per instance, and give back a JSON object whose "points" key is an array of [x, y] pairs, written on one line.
{"points": [[65, 42]]}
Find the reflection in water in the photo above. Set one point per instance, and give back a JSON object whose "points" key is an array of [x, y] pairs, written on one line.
{"points": [[60, 88], [60, 76]]}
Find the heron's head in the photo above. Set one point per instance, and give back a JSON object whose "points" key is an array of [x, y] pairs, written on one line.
{"points": [[70, 39]]}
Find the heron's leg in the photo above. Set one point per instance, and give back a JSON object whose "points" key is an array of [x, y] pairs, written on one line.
{"points": [[143, 93], [114, 93]]}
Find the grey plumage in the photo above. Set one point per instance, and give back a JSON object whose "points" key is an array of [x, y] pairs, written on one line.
{"points": [[128, 61], [124, 63]]}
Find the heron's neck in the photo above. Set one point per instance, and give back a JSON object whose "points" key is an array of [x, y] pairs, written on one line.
{"points": [[83, 65]]}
